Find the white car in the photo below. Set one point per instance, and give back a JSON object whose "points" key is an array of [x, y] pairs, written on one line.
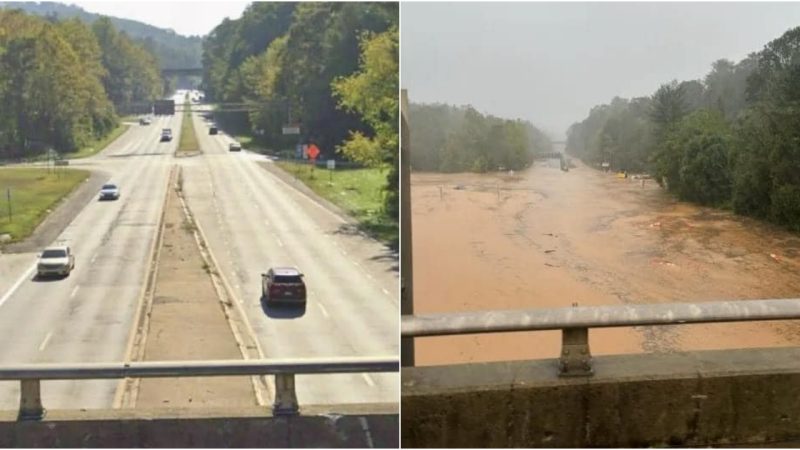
{"points": [[57, 260], [109, 192]]}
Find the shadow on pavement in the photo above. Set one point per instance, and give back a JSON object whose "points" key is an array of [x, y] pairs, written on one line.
{"points": [[282, 311]]}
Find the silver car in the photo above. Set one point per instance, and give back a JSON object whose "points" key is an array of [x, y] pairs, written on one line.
{"points": [[109, 192]]}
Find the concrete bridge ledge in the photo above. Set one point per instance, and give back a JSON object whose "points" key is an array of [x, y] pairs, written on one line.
{"points": [[368, 425], [711, 398]]}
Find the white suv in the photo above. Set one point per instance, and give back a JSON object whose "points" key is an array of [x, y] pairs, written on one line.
{"points": [[57, 260]]}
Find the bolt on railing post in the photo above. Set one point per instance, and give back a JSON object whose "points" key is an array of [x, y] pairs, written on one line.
{"points": [[285, 395], [576, 359], [30, 400]]}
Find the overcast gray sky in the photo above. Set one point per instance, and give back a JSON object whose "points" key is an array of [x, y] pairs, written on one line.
{"points": [[551, 62], [187, 18]]}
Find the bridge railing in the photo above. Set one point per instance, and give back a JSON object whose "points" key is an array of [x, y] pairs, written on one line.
{"points": [[575, 322], [31, 375]]}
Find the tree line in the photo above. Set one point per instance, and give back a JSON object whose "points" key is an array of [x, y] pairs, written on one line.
{"points": [[172, 50], [331, 68], [731, 140], [448, 138], [61, 82]]}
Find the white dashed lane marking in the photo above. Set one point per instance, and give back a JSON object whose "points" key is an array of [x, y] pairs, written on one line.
{"points": [[45, 341]]}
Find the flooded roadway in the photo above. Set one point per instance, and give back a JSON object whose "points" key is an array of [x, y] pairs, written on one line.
{"points": [[546, 238]]}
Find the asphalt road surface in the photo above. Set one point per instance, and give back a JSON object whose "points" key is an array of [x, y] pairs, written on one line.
{"points": [[87, 317], [253, 221]]}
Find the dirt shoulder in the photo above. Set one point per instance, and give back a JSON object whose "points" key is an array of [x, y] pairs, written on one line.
{"points": [[187, 322], [61, 216]]}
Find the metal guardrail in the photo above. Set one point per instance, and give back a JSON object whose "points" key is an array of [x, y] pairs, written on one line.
{"points": [[30, 375], [575, 322]]}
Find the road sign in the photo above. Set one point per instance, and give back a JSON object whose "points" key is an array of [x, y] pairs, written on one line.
{"points": [[331, 164], [291, 129], [312, 152]]}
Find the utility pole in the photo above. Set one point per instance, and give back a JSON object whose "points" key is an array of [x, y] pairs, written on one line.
{"points": [[8, 197], [406, 269]]}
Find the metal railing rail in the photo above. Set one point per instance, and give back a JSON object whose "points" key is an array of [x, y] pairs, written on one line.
{"points": [[575, 322], [30, 375]]}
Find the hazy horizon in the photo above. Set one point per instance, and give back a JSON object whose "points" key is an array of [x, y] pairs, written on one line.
{"points": [[549, 63], [185, 18]]}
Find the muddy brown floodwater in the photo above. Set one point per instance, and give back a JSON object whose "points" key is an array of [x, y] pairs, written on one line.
{"points": [[546, 238]]}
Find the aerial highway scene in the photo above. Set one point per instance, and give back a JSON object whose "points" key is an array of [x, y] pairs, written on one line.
{"points": [[178, 205]]}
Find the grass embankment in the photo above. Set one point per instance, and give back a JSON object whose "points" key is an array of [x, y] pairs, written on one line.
{"points": [[33, 193], [98, 144], [188, 144], [357, 191]]}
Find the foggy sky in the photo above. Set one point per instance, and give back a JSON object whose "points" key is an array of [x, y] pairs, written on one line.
{"points": [[184, 17], [551, 62]]}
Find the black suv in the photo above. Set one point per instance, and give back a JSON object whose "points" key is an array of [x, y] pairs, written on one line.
{"points": [[283, 284]]}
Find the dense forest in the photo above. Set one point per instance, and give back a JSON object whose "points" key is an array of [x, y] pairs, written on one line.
{"points": [[172, 50], [458, 139], [332, 68], [60, 82], [730, 140]]}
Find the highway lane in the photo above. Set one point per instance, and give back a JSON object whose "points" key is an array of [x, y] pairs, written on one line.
{"points": [[254, 220], [87, 317]]}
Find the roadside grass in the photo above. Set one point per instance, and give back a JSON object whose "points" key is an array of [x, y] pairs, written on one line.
{"points": [[188, 143], [34, 192], [359, 192], [98, 144]]}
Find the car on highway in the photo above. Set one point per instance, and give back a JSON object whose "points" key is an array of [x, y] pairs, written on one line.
{"points": [[144, 121], [283, 285], [109, 192], [57, 260], [213, 130], [234, 147], [166, 135]]}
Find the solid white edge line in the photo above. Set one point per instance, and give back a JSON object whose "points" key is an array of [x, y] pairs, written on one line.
{"points": [[17, 284]]}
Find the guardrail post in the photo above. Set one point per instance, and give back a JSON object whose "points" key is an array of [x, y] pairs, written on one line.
{"points": [[30, 401], [285, 395], [576, 359]]}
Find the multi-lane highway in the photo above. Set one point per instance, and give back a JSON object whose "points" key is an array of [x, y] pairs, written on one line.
{"points": [[87, 317], [252, 220]]}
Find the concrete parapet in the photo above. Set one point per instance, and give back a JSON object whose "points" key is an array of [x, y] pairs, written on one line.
{"points": [[710, 398], [318, 426]]}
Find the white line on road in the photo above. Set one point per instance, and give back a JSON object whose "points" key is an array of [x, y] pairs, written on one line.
{"points": [[324, 311], [93, 258], [368, 379], [16, 285], [45, 341], [370, 276], [344, 252], [385, 291], [279, 241], [367, 434], [74, 291]]}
